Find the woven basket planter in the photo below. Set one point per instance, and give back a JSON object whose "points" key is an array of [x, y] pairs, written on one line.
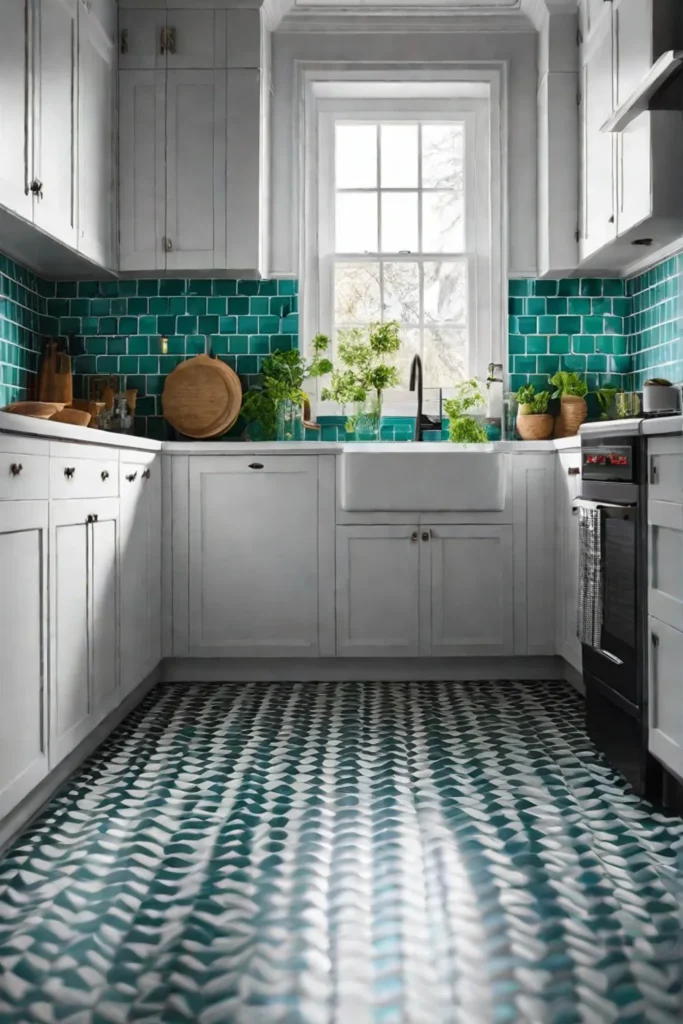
{"points": [[538, 427]]}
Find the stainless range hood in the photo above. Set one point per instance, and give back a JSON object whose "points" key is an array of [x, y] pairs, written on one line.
{"points": [[661, 89]]}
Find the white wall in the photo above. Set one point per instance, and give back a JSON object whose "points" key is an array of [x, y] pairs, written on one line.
{"points": [[517, 48]]}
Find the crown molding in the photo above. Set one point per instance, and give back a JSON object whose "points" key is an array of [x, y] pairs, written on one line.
{"points": [[313, 20]]}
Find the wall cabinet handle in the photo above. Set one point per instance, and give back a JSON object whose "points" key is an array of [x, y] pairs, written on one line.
{"points": [[146, 474], [124, 40], [131, 477], [92, 518], [16, 468], [170, 39], [413, 536], [104, 474], [426, 535], [653, 473], [69, 472], [162, 47], [168, 245], [36, 187], [255, 465], [655, 639]]}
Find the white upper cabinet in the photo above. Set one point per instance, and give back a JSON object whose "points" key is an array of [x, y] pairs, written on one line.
{"points": [[591, 13], [142, 176], [597, 103], [16, 23], [141, 39], [195, 39], [96, 94], [196, 146], [244, 199], [55, 156]]}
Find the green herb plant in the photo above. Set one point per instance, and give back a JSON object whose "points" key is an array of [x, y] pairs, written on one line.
{"points": [[367, 369], [530, 403], [282, 378], [570, 384], [605, 397], [463, 428]]}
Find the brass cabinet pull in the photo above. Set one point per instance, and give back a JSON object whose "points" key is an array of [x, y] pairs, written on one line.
{"points": [[16, 468]]}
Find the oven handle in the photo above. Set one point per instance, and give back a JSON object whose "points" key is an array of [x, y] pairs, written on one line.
{"points": [[598, 505]]}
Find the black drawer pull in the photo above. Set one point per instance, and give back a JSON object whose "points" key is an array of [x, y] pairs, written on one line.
{"points": [[573, 471], [131, 477], [255, 465], [16, 468], [146, 474], [105, 474], [91, 518], [69, 472]]}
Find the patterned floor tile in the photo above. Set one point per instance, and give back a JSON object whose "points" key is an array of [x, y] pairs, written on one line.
{"points": [[429, 853]]}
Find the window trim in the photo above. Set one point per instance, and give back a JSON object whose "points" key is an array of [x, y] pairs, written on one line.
{"points": [[321, 84]]}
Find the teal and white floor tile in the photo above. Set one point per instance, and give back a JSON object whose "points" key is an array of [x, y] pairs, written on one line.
{"points": [[345, 854]]}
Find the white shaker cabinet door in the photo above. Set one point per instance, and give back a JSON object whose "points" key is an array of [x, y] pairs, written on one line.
{"points": [[567, 558], [23, 653], [70, 626], [142, 39], [142, 170], [466, 604], [633, 58], [666, 695], [16, 24], [195, 39], [196, 141], [378, 591], [598, 182], [96, 92], [140, 591], [665, 562], [253, 560], [56, 115], [104, 583]]}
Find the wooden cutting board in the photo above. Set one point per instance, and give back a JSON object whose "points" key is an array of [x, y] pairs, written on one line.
{"points": [[55, 382], [202, 398]]}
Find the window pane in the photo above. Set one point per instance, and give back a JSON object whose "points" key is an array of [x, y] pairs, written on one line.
{"points": [[398, 155], [356, 222], [442, 156], [444, 356], [402, 292], [443, 222], [410, 346], [445, 292], [356, 156], [399, 222], [356, 293]]}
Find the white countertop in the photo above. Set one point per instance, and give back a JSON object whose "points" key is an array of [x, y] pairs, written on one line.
{"points": [[29, 426], [663, 425]]}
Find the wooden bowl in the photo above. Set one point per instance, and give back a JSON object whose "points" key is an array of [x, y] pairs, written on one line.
{"points": [[77, 417], [537, 427], [38, 410]]}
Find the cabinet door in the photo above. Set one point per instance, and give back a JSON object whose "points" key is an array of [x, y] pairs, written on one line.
{"points": [[23, 612], [140, 591], [597, 102], [196, 136], [141, 39], [16, 24], [665, 562], [104, 583], [196, 39], [253, 565], [142, 169], [466, 597], [666, 695], [56, 115], [666, 469], [378, 591], [96, 91], [246, 103], [593, 11], [567, 561], [633, 59], [70, 626]]}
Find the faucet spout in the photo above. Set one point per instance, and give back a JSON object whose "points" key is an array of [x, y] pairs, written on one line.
{"points": [[417, 385]]}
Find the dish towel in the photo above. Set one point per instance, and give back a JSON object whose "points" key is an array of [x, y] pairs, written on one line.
{"points": [[590, 577]]}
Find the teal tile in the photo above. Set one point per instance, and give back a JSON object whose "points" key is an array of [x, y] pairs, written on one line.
{"points": [[217, 306], [238, 345], [517, 345], [225, 287], [186, 325], [249, 325], [79, 307], [547, 325], [238, 306], [171, 286], [583, 343], [208, 324], [199, 286], [119, 307], [176, 345], [127, 288], [527, 325], [247, 287], [85, 364], [165, 325], [196, 306], [88, 289], [95, 346], [285, 342], [620, 364], [579, 307], [519, 287], [128, 364], [129, 325], [591, 286], [285, 286], [596, 364], [559, 344], [148, 325], [545, 287], [89, 324], [138, 345], [154, 384], [177, 305], [116, 346], [280, 306], [604, 344], [107, 364], [227, 324], [110, 325], [67, 290], [569, 286], [569, 324], [271, 287], [269, 324], [535, 307], [515, 306], [219, 344], [259, 345], [247, 364], [157, 306], [536, 345], [137, 305], [196, 345], [557, 307], [259, 306], [72, 325], [98, 307], [574, 363], [613, 286], [149, 288], [540, 380], [525, 364], [601, 306], [149, 364], [548, 365]]}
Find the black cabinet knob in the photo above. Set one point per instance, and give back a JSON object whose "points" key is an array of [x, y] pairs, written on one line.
{"points": [[16, 468]]}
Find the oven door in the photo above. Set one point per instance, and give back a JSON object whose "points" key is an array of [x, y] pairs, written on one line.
{"points": [[614, 666]]}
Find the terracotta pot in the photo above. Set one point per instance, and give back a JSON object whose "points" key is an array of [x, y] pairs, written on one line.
{"points": [[573, 411], [537, 427]]}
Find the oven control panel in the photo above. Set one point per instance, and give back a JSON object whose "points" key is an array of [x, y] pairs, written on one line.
{"points": [[608, 463]]}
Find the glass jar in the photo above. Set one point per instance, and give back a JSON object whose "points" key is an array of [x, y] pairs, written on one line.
{"points": [[367, 418], [290, 421]]}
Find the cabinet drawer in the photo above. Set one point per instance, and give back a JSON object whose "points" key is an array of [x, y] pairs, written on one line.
{"points": [[84, 478], [665, 559], [24, 476], [666, 469]]}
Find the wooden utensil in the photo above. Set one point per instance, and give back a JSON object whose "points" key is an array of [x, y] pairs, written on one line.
{"points": [[202, 397], [77, 417], [47, 372], [93, 408], [38, 410], [63, 390]]}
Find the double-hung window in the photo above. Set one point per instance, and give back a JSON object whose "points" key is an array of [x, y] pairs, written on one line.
{"points": [[404, 229]]}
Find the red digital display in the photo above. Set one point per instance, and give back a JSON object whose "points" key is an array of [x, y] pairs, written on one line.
{"points": [[606, 459]]}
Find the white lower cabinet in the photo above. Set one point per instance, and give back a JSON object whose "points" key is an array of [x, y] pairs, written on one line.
{"points": [[378, 591], [424, 590], [568, 472], [84, 550], [23, 619], [665, 561], [666, 695], [253, 556], [140, 590]]}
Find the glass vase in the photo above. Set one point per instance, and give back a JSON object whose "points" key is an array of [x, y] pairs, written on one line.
{"points": [[367, 418], [290, 421]]}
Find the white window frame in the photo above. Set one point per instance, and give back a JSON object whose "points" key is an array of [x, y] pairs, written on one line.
{"points": [[329, 88]]}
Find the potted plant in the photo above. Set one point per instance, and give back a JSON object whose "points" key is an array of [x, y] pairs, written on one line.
{"points": [[571, 389], [534, 422], [464, 428], [276, 404], [366, 374], [605, 399]]}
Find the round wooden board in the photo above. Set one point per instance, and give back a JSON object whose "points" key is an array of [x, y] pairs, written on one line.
{"points": [[202, 398]]}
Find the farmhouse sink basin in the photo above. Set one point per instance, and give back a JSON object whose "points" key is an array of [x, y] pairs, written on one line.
{"points": [[421, 478]]}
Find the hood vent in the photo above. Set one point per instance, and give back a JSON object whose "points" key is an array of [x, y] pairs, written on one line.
{"points": [[661, 89]]}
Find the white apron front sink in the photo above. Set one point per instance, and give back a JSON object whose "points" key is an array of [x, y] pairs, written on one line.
{"points": [[421, 478]]}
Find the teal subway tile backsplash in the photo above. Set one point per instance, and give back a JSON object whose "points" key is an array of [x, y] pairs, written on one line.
{"points": [[24, 323], [656, 322]]}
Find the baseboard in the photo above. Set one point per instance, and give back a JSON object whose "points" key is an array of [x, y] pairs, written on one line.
{"points": [[32, 805], [574, 678], [310, 670]]}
